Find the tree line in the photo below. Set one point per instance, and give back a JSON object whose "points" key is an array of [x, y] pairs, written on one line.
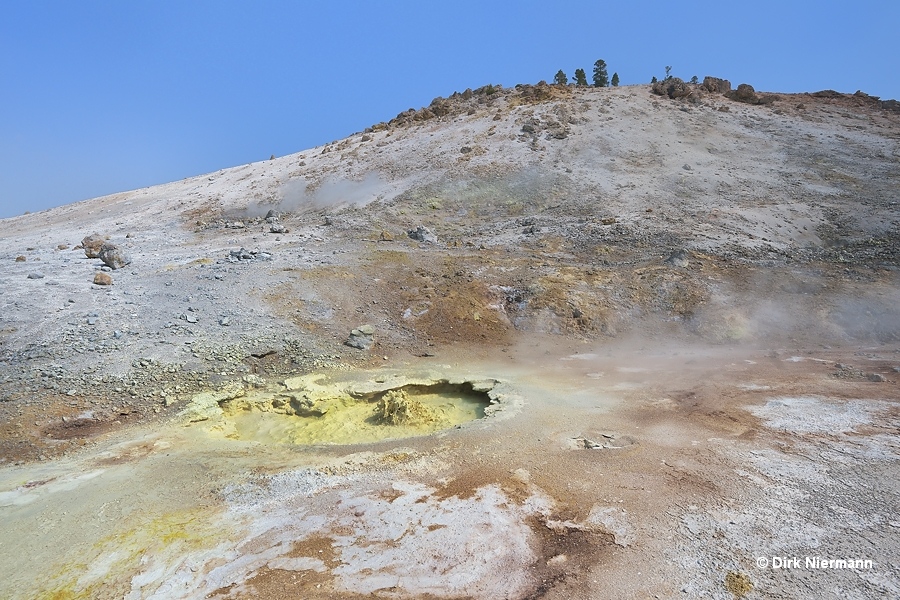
{"points": [[600, 78]]}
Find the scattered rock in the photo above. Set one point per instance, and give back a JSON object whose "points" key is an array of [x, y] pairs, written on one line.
{"points": [[679, 258], [277, 228], [102, 278], [190, 318], [362, 338], [113, 256], [687, 167], [20, 258], [35, 276], [62, 247], [422, 234], [242, 254], [605, 441], [876, 377], [385, 236], [224, 321], [263, 352], [92, 245], [608, 221]]}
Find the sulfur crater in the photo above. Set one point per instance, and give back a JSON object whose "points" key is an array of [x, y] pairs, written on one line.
{"points": [[313, 409]]}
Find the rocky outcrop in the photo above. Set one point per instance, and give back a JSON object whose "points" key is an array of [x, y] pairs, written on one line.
{"points": [[675, 89], [744, 93], [715, 85]]}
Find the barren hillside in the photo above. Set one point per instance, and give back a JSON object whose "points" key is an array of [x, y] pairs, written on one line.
{"points": [[688, 305]]}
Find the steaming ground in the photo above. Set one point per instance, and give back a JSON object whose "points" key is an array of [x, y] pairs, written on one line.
{"points": [[694, 303]]}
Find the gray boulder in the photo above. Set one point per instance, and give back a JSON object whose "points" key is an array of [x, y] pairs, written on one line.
{"points": [[362, 337], [422, 234], [113, 256], [679, 258]]}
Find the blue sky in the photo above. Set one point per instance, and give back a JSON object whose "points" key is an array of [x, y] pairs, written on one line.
{"points": [[99, 97]]}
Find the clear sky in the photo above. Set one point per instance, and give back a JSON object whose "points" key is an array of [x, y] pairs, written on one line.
{"points": [[98, 97]]}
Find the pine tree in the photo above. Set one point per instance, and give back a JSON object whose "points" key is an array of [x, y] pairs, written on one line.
{"points": [[560, 78], [668, 74], [615, 80], [653, 80], [695, 80], [580, 77], [601, 79]]}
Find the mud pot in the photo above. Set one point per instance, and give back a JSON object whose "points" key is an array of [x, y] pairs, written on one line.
{"points": [[313, 410]]}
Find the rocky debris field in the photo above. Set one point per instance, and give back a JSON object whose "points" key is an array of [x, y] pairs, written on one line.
{"points": [[495, 222]]}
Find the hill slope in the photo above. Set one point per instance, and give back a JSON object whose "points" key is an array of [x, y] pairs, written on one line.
{"points": [[649, 271]]}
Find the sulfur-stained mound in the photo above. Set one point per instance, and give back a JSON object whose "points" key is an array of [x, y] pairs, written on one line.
{"points": [[397, 408]]}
